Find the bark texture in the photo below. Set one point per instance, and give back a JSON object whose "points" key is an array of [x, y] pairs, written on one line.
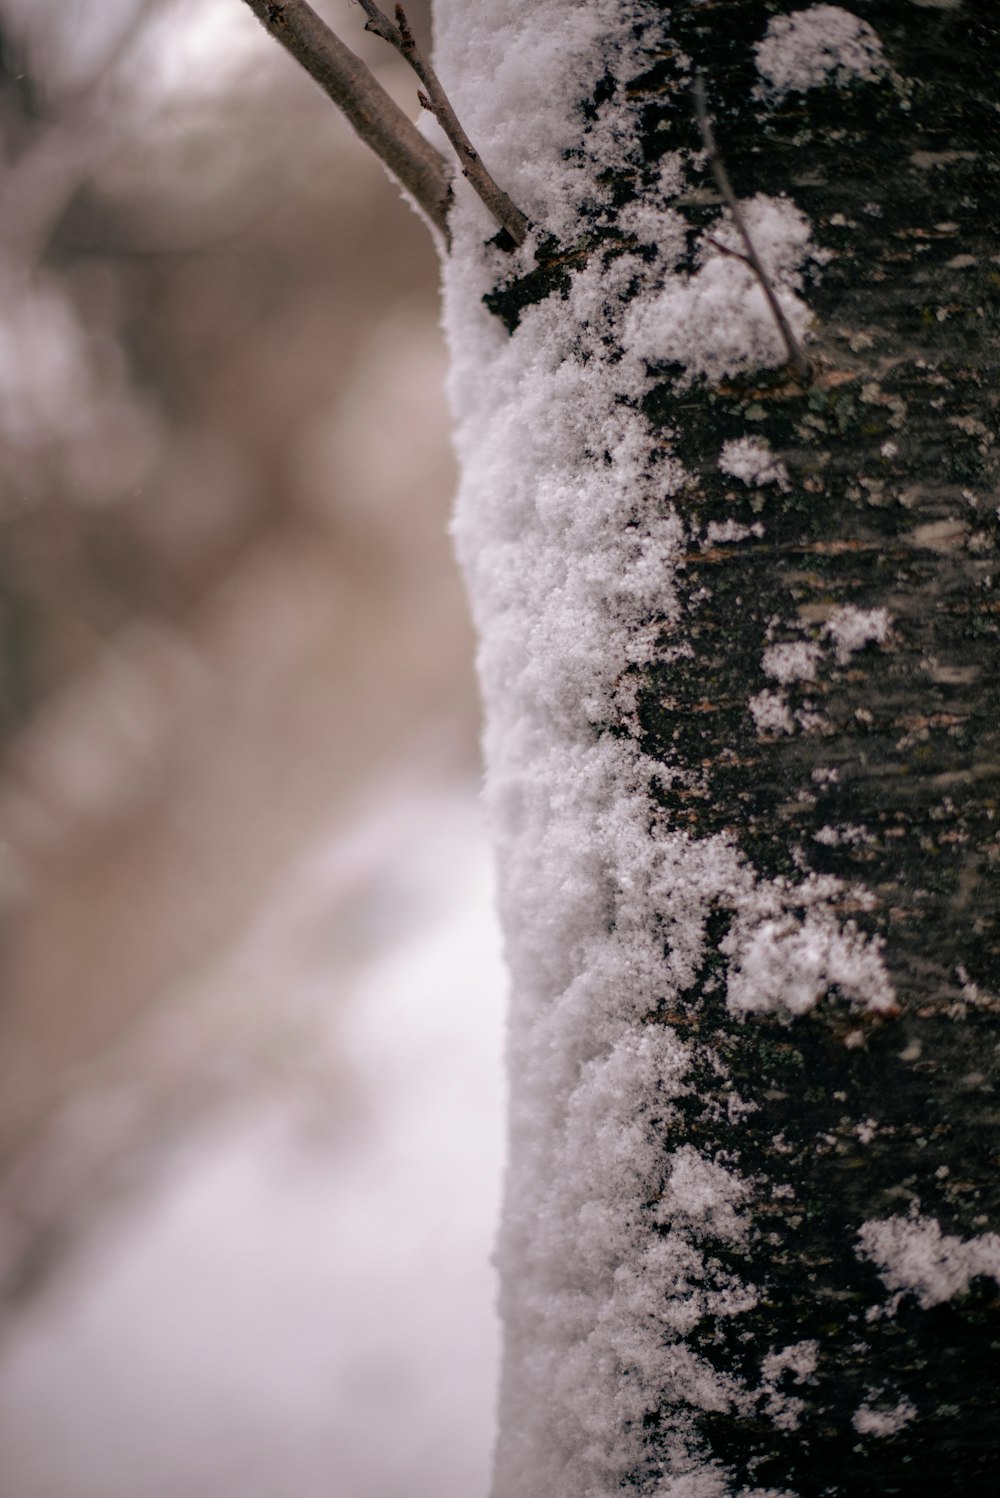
{"points": [[892, 457]]}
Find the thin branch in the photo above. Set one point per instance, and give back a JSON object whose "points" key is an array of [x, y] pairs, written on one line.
{"points": [[375, 115], [435, 99], [728, 251], [796, 358]]}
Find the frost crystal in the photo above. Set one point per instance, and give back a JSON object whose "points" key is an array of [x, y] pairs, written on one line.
{"points": [[914, 1255], [812, 47], [800, 1358], [702, 1192]]}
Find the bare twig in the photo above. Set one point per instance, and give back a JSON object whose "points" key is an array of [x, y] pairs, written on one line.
{"points": [[727, 250], [375, 115], [796, 358], [435, 99]]}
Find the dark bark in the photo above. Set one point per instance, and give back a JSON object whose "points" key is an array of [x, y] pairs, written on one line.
{"points": [[892, 456]]}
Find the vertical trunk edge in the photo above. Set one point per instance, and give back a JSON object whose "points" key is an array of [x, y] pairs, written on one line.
{"points": [[739, 663]]}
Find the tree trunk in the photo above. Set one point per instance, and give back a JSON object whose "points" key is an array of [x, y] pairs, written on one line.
{"points": [[739, 660]]}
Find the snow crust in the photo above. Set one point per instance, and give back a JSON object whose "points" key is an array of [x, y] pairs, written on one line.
{"points": [[914, 1256], [823, 44], [572, 544]]}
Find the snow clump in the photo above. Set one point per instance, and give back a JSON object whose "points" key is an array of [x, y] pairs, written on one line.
{"points": [[722, 531], [792, 660], [913, 1255], [812, 47], [852, 629], [717, 322], [785, 961], [868, 1421], [849, 835], [751, 460], [770, 713], [800, 1359]]}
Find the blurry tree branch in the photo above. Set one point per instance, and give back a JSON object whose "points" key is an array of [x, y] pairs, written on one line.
{"points": [[374, 114]]}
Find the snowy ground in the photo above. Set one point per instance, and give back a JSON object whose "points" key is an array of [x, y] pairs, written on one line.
{"points": [[301, 1306]]}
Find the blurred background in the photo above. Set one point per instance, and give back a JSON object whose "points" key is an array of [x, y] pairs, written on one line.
{"points": [[249, 985]]}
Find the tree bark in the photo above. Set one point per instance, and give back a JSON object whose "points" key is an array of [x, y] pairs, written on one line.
{"points": [[741, 677]]}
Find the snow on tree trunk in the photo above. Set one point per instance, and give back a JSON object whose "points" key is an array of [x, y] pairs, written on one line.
{"points": [[740, 671]]}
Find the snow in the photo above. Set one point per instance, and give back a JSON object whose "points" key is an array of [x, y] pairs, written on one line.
{"points": [[707, 1194], [770, 713], [571, 541], [60, 392], [723, 531], [847, 630], [792, 660], [823, 44], [751, 459], [836, 837], [851, 629], [788, 961], [717, 322], [800, 1360], [913, 1256], [207, 48], [870, 1421]]}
